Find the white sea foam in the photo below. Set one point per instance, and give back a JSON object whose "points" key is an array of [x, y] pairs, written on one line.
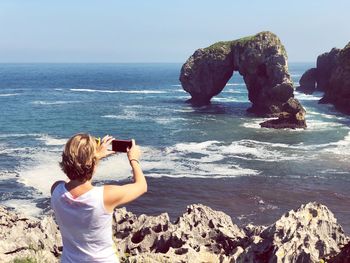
{"points": [[59, 102], [318, 125], [9, 94], [11, 135], [325, 115], [235, 84], [165, 121], [253, 123], [341, 147], [121, 91], [176, 85], [43, 170], [120, 117], [228, 99], [314, 96], [49, 140], [262, 151], [23, 206], [235, 91]]}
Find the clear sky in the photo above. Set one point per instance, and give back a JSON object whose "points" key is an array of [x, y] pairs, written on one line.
{"points": [[162, 30]]}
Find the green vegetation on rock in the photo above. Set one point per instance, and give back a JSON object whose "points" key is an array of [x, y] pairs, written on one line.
{"points": [[25, 260], [243, 41]]}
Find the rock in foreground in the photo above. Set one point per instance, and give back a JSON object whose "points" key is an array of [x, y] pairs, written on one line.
{"points": [[261, 60], [201, 234]]}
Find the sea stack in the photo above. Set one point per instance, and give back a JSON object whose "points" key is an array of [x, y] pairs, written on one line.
{"points": [[332, 76], [262, 61]]}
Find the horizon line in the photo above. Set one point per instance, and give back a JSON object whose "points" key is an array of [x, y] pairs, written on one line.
{"points": [[141, 62]]}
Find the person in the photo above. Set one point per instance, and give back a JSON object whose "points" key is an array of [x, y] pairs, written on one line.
{"points": [[84, 212]]}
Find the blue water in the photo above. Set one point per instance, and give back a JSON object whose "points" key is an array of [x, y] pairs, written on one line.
{"points": [[216, 155]]}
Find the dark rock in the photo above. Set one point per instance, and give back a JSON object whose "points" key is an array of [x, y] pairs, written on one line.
{"points": [[325, 65], [261, 60], [332, 77], [338, 92], [342, 257], [308, 81], [291, 117]]}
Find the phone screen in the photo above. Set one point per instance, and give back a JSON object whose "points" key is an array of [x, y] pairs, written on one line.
{"points": [[121, 145]]}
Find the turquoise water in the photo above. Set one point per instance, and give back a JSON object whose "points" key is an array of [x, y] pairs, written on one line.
{"points": [[216, 155]]}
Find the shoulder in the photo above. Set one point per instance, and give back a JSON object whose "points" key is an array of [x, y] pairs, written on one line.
{"points": [[55, 185]]}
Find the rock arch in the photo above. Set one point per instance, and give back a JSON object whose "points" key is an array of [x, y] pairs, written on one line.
{"points": [[262, 61]]}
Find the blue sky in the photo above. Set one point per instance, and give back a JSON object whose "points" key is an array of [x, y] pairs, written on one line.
{"points": [[162, 30]]}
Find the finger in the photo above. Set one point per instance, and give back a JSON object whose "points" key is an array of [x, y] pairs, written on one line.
{"points": [[109, 140], [110, 152], [105, 138], [133, 143]]}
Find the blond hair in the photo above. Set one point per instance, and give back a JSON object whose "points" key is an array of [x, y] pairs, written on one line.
{"points": [[79, 157]]}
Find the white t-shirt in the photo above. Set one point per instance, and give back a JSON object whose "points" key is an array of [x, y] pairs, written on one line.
{"points": [[85, 225]]}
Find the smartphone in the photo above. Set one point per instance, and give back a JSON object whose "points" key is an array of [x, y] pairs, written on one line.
{"points": [[121, 145]]}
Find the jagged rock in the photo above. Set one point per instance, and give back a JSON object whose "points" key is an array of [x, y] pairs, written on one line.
{"points": [[261, 60], [200, 229], [308, 81], [292, 116], [22, 236], [342, 257], [201, 234], [303, 235]]}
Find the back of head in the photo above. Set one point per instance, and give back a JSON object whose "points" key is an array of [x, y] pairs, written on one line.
{"points": [[79, 157]]}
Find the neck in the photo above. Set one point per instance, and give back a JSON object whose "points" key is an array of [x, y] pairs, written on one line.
{"points": [[76, 183]]}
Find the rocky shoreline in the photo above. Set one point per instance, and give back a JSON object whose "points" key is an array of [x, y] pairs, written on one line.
{"points": [[307, 234]]}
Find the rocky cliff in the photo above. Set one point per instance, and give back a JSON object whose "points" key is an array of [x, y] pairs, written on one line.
{"points": [[307, 234], [262, 61], [331, 75]]}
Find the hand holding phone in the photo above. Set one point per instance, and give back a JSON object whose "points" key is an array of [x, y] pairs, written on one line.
{"points": [[121, 145]]}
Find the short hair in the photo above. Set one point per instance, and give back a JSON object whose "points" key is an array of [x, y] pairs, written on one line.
{"points": [[79, 157]]}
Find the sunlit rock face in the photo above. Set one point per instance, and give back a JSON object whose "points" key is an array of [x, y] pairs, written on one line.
{"points": [[261, 60]]}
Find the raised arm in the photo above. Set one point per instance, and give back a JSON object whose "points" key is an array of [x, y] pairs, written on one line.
{"points": [[115, 195]]}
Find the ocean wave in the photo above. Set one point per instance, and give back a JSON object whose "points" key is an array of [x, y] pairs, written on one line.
{"points": [[318, 125], [59, 102], [121, 91], [253, 124], [51, 141], [11, 135], [341, 147], [9, 94], [213, 151], [229, 99], [295, 75], [23, 206], [236, 91], [43, 169], [235, 84], [325, 115], [314, 96], [176, 85]]}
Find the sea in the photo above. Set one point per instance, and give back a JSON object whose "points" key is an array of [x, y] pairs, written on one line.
{"points": [[216, 155]]}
